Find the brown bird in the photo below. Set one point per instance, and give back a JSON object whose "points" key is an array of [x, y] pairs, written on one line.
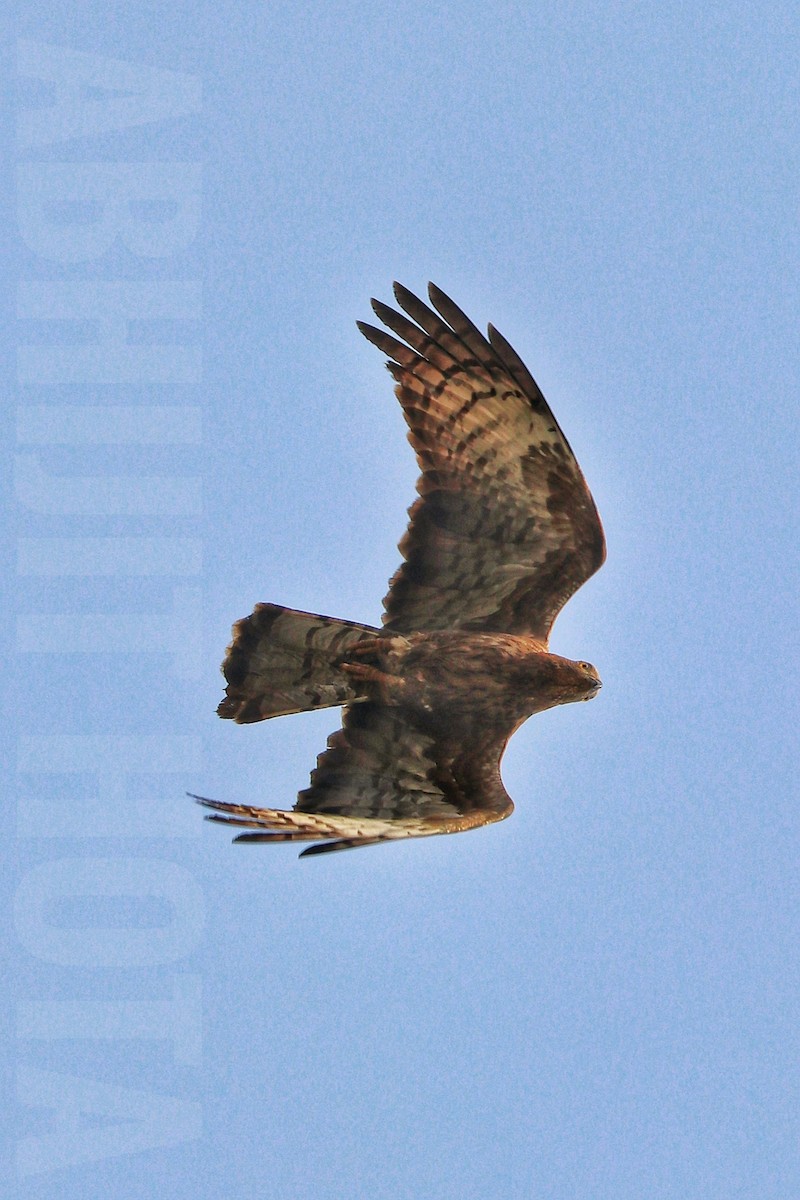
{"points": [[504, 531]]}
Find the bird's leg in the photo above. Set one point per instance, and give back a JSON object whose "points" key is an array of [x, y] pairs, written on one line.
{"points": [[378, 647], [390, 689], [381, 675]]}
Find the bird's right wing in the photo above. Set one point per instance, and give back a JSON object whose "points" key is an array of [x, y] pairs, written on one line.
{"points": [[505, 529]]}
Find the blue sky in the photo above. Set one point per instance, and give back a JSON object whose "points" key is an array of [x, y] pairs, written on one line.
{"points": [[597, 998]]}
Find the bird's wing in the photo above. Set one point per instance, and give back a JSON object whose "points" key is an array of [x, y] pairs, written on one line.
{"points": [[382, 778], [505, 529]]}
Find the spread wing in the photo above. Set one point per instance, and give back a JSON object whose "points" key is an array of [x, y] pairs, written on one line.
{"points": [[383, 778], [505, 529]]}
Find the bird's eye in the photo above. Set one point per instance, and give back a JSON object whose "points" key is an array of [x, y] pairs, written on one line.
{"points": [[587, 667]]}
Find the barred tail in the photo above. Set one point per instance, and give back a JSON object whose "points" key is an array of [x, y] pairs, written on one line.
{"points": [[284, 661]]}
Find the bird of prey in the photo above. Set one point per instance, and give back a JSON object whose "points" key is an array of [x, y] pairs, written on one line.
{"points": [[503, 532]]}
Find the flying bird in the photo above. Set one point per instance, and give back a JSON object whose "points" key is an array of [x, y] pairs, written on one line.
{"points": [[503, 532]]}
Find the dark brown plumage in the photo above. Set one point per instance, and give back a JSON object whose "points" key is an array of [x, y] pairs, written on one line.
{"points": [[504, 531]]}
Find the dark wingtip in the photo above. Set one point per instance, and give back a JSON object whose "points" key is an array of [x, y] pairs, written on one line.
{"points": [[322, 848], [403, 295], [435, 294], [377, 336]]}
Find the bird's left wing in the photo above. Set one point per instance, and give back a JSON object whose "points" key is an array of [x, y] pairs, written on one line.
{"points": [[382, 778]]}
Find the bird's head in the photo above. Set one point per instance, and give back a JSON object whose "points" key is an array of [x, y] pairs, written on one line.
{"points": [[564, 681], [587, 679]]}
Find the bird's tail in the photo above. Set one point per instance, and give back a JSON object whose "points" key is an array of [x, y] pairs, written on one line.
{"points": [[284, 661]]}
